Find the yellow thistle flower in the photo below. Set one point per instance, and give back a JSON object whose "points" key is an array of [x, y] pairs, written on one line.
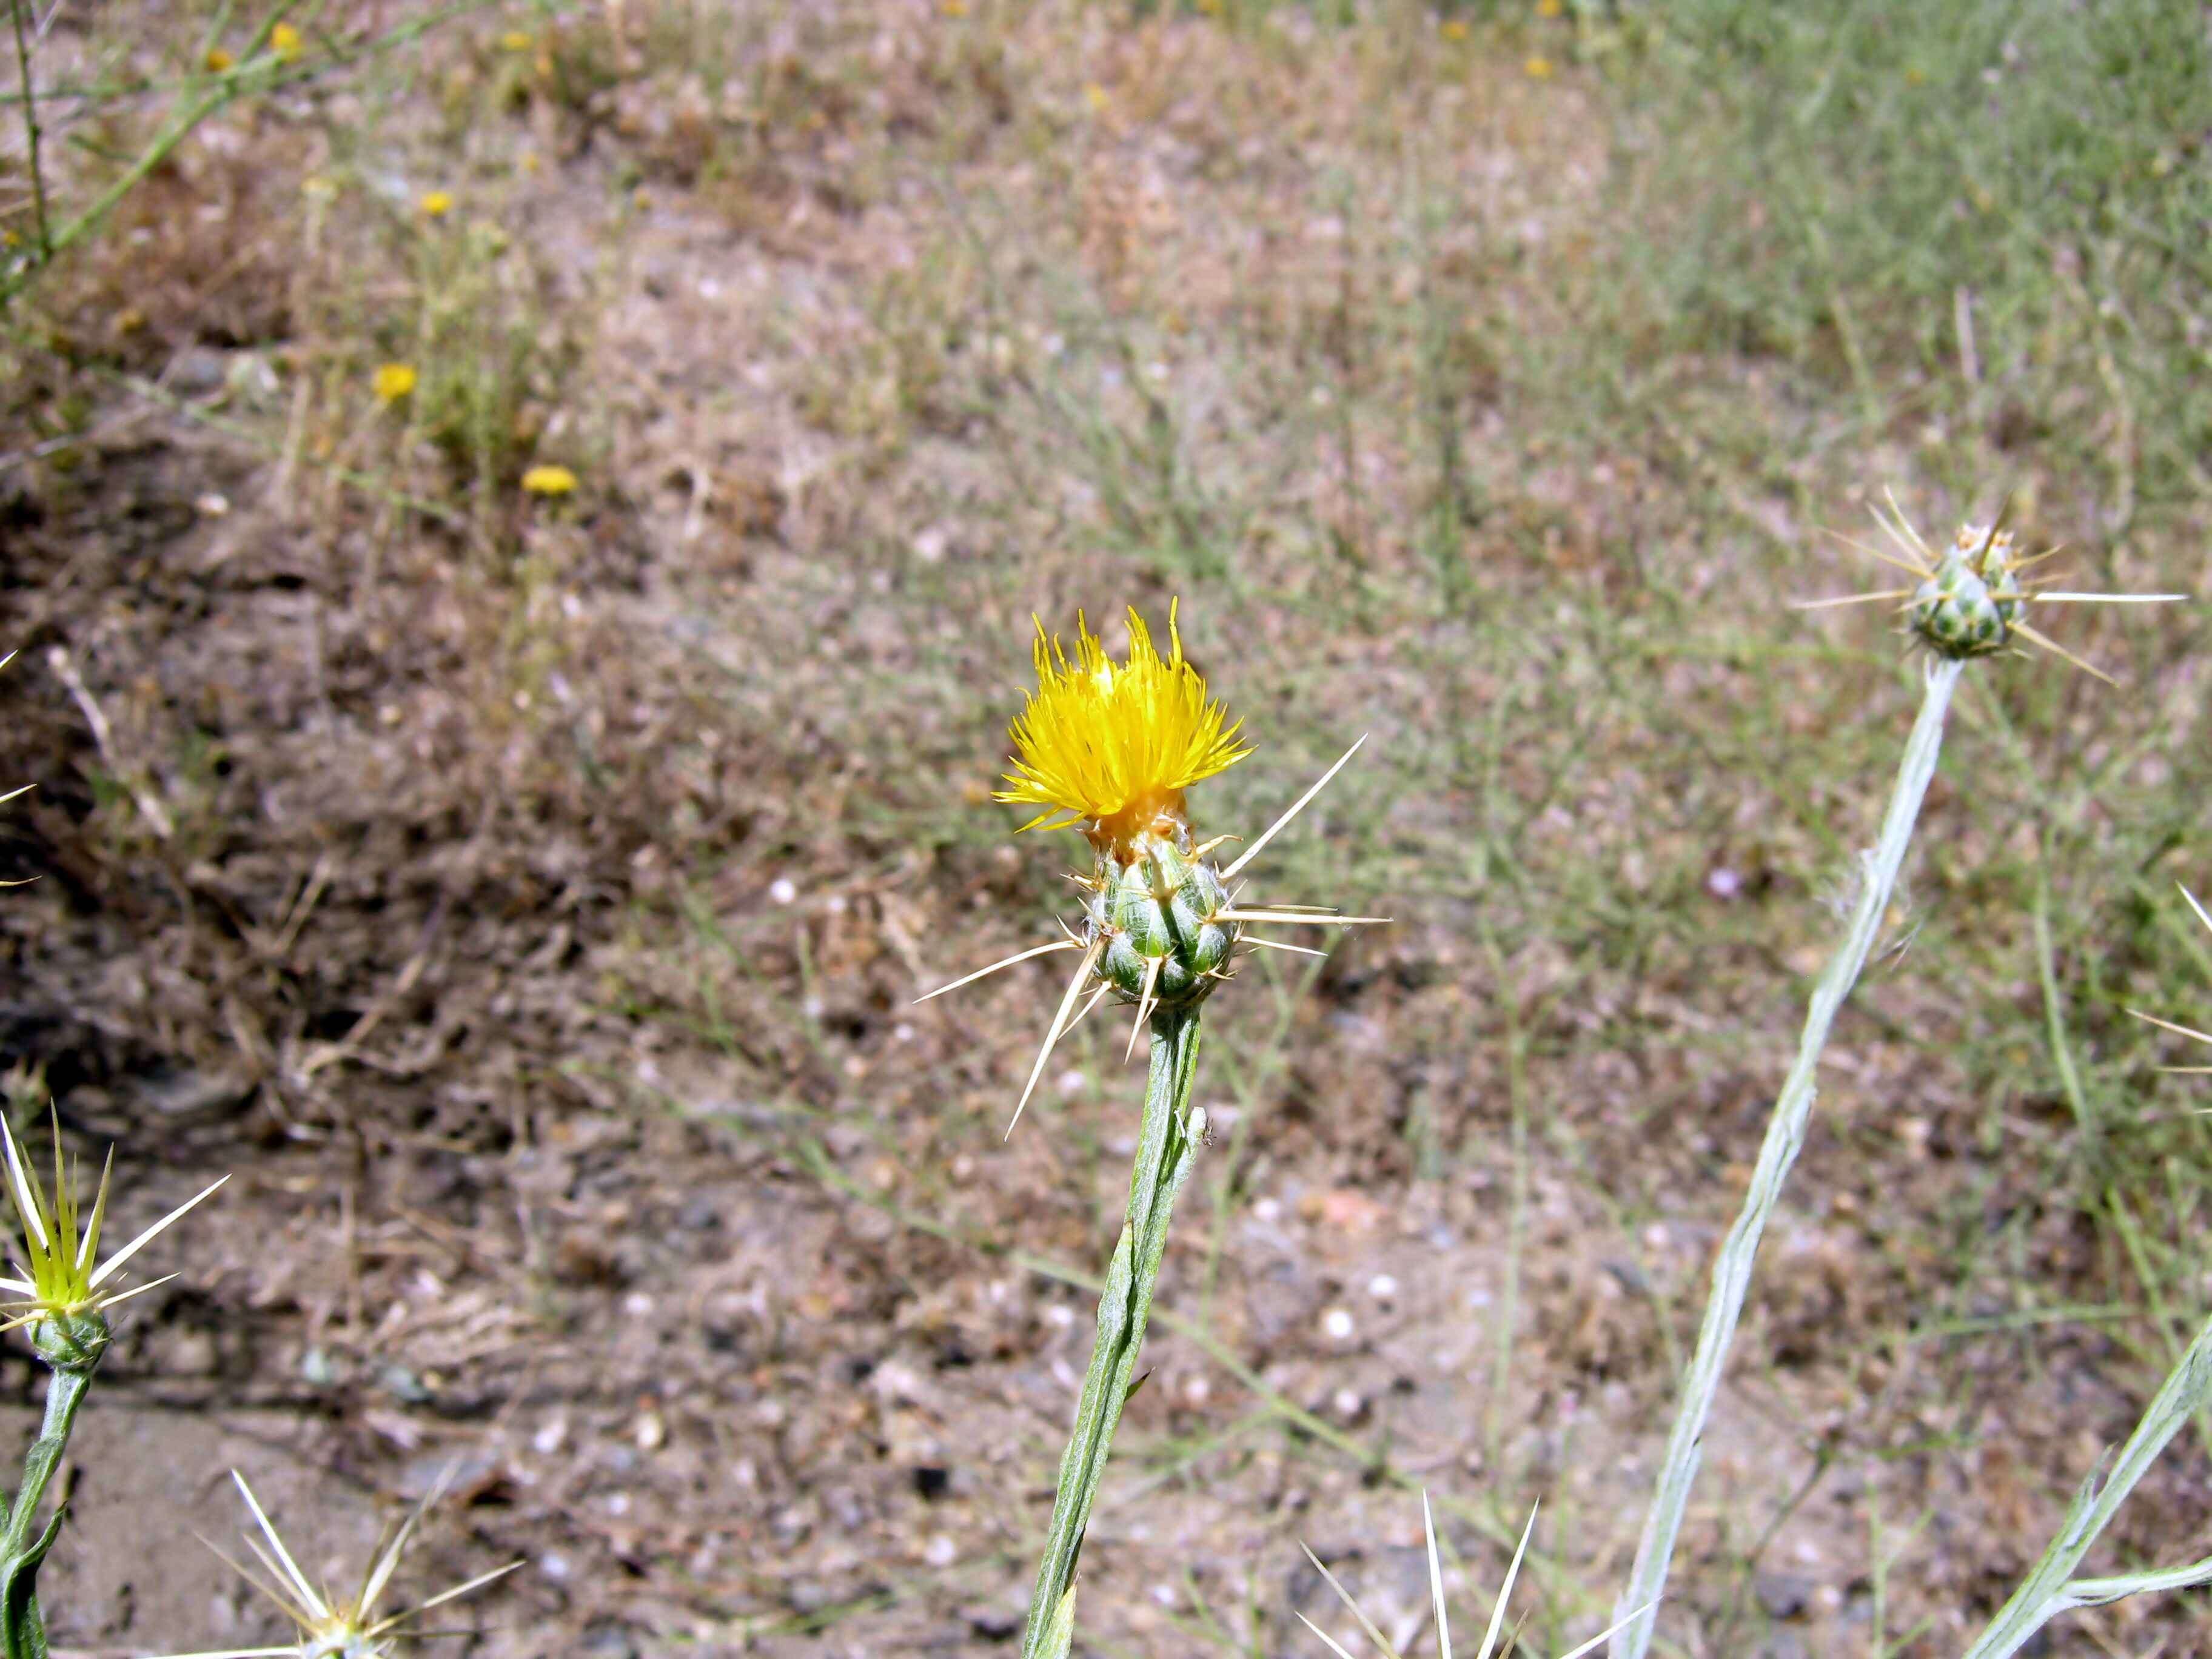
{"points": [[393, 381], [330, 1628], [61, 1284], [437, 203], [218, 60], [1537, 68], [516, 41], [1112, 746], [549, 481], [284, 40]]}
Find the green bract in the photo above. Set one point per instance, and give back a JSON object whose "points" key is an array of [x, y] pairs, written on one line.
{"points": [[1159, 917], [1969, 606]]}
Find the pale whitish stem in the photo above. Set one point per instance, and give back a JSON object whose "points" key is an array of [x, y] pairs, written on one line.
{"points": [[1786, 1135], [2050, 1588], [1166, 1150]]}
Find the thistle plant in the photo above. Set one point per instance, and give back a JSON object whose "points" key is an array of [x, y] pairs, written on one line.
{"points": [[1110, 747], [1969, 601], [331, 1626], [62, 1297], [2050, 1588]]}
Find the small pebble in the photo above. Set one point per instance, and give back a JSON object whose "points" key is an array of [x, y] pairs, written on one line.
{"points": [[1336, 1325], [783, 890]]}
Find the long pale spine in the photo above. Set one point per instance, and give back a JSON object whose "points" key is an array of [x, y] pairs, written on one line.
{"points": [[2050, 1588], [1165, 1152], [1785, 1136]]}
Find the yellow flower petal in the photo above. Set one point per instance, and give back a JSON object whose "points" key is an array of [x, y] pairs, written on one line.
{"points": [[549, 481], [437, 203], [284, 40], [393, 381], [1112, 746]]}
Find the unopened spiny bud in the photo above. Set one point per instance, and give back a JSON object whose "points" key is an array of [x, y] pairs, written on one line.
{"points": [[1968, 607], [1157, 911]]}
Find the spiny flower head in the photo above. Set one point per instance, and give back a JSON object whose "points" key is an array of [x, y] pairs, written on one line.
{"points": [[1970, 604], [1112, 746], [331, 1627], [1969, 601], [62, 1294]]}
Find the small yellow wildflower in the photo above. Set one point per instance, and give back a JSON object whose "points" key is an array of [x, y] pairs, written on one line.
{"points": [[1095, 95], [1549, 8], [956, 8], [516, 41], [1453, 28], [393, 381], [218, 60], [1112, 746], [1537, 68], [437, 203], [284, 40], [549, 481]]}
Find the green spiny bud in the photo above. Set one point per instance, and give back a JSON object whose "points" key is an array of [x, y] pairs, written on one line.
{"points": [[1158, 913], [71, 1341], [1968, 607]]}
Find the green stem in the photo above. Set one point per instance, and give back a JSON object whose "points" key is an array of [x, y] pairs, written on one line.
{"points": [[2050, 1588], [1166, 1150], [229, 86], [1785, 1136], [22, 1630], [31, 129]]}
